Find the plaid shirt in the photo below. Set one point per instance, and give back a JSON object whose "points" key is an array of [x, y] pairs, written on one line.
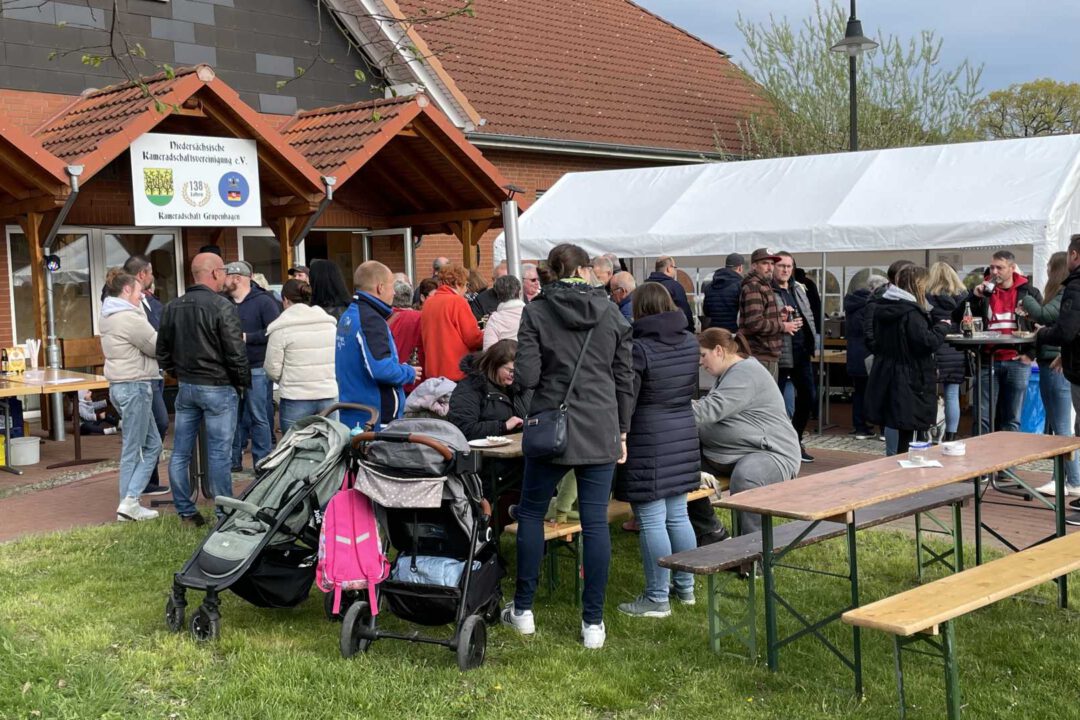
{"points": [[759, 318]]}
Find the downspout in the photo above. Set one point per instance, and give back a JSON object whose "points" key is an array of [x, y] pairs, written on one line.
{"points": [[52, 347], [328, 183], [510, 231]]}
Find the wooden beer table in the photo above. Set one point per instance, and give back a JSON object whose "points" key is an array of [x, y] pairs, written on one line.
{"points": [[69, 383], [836, 495]]}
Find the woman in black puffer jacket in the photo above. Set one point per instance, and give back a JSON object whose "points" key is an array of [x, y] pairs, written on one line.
{"points": [[946, 293], [488, 402], [663, 461]]}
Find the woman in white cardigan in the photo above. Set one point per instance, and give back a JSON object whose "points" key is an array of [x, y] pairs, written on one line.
{"points": [[503, 323], [300, 355]]}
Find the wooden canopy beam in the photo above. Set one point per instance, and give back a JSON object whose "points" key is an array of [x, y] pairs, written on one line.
{"points": [[417, 166], [441, 218], [438, 144], [41, 204]]}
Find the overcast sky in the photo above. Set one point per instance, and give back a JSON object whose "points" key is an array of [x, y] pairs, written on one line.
{"points": [[1015, 40]]}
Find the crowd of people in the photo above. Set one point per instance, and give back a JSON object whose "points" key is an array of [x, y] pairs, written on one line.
{"points": [[579, 336]]}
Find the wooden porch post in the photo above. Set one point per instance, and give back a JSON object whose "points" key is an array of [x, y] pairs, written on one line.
{"points": [[31, 225]]}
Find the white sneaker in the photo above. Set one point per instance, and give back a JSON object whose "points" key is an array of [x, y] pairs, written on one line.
{"points": [[130, 509], [593, 635], [1049, 489], [522, 621]]}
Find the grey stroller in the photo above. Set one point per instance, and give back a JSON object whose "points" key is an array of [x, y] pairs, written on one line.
{"points": [[264, 547], [424, 483]]}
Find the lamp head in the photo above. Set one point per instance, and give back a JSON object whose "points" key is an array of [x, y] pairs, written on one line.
{"points": [[854, 42]]}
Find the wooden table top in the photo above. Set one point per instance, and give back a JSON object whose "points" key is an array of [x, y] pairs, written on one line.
{"points": [[48, 381], [506, 452], [10, 388], [835, 493]]}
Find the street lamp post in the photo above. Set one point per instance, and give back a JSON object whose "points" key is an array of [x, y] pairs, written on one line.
{"points": [[853, 45]]}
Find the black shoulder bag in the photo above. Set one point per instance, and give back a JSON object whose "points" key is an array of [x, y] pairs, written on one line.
{"points": [[544, 435]]}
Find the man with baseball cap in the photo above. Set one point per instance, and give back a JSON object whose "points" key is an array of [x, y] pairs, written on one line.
{"points": [[761, 320], [299, 272], [721, 305], [257, 309]]}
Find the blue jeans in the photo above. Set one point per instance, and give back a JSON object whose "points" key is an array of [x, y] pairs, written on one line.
{"points": [[293, 410], [665, 529], [1011, 378], [537, 489], [161, 419], [140, 447], [216, 406], [1056, 393], [253, 416], [892, 440], [952, 407]]}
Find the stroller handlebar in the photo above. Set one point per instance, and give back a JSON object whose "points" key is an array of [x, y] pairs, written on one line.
{"points": [[373, 412], [400, 437]]}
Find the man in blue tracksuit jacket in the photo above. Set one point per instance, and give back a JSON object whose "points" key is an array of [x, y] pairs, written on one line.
{"points": [[368, 370]]}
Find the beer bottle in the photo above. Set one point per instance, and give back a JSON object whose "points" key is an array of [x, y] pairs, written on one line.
{"points": [[967, 324], [4, 362]]}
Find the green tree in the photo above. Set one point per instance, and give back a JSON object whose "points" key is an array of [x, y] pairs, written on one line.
{"points": [[1040, 107], [906, 97]]}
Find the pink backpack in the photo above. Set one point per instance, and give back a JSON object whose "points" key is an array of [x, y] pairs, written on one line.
{"points": [[350, 553]]}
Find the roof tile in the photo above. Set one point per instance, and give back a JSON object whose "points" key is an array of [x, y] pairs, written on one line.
{"points": [[604, 71]]}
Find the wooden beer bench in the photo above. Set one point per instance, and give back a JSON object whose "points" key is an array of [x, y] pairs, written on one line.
{"points": [[924, 614], [714, 560]]}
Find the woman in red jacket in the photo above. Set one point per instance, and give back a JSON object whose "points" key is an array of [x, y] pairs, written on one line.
{"points": [[448, 327]]}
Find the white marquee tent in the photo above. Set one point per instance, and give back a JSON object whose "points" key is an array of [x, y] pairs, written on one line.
{"points": [[970, 195]]}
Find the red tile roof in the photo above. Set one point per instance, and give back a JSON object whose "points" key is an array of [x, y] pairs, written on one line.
{"points": [[27, 169], [330, 137], [100, 125], [409, 139], [604, 71]]}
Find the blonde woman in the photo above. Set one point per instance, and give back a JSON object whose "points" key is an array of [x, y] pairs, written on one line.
{"points": [[945, 293]]}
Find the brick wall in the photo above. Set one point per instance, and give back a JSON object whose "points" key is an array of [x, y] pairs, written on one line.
{"points": [[29, 110], [529, 170]]}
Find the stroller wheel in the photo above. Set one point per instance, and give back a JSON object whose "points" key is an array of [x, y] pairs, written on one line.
{"points": [[472, 643], [357, 618], [174, 615], [328, 606], [205, 625]]}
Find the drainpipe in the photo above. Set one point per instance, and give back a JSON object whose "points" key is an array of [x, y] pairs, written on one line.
{"points": [[328, 183], [52, 347]]}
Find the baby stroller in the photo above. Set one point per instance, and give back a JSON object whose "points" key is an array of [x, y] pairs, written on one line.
{"points": [[424, 483], [264, 548]]}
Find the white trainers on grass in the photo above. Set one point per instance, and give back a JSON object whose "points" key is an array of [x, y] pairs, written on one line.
{"points": [[593, 635], [130, 509], [520, 620]]}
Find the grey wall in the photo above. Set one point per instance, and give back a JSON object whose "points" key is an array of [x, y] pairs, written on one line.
{"points": [[252, 44]]}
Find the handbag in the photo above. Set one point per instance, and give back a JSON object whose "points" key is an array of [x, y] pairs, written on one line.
{"points": [[544, 435]]}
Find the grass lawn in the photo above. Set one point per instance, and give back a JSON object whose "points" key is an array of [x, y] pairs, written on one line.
{"points": [[82, 636]]}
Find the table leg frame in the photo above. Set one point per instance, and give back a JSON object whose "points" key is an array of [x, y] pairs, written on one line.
{"points": [[956, 553], [944, 649], [745, 629]]}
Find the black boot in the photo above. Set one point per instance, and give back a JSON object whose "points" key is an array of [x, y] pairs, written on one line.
{"points": [[949, 437]]}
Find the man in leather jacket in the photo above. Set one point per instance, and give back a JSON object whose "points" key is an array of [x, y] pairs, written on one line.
{"points": [[200, 343]]}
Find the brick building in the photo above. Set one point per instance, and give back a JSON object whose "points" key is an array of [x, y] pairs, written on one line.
{"points": [[519, 93]]}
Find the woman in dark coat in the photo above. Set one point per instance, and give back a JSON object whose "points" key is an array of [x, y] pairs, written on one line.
{"points": [[554, 328], [663, 460], [946, 293], [328, 289], [854, 311], [902, 390], [488, 402]]}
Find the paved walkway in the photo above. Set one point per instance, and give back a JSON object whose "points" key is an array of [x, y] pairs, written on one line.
{"points": [[91, 500]]}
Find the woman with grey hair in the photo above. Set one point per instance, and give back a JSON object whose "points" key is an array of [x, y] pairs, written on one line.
{"points": [[405, 327], [503, 323]]}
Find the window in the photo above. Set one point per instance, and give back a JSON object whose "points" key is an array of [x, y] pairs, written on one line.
{"points": [[86, 254], [263, 251]]}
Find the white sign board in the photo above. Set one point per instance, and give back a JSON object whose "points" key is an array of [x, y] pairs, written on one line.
{"points": [[187, 180]]}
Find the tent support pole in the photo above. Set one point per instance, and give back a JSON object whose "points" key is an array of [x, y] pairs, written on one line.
{"points": [[510, 237], [822, 386]]}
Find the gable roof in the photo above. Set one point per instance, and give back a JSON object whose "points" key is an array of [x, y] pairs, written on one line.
{"points": [[404, 145], [27, 170], [100, 125], [603, 71]]}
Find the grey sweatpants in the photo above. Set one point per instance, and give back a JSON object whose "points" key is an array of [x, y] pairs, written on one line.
{"points": [[751, 471]]}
